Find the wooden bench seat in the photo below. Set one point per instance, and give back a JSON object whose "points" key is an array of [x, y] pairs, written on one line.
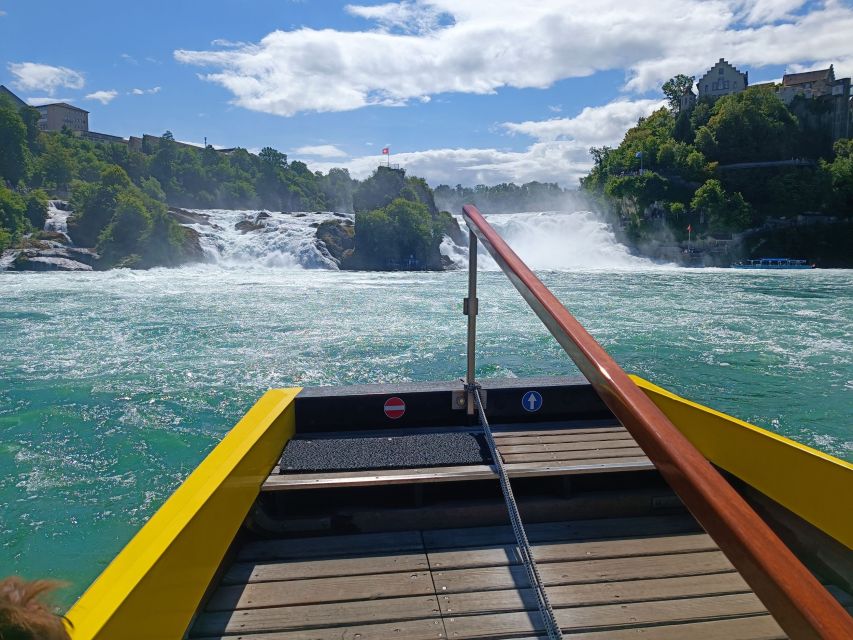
{"points": [[527, 450]]}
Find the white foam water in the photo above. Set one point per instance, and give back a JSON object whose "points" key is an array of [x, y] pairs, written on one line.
{"points": [[547, 240], [284, 240], [555, 241], [57, 219]]}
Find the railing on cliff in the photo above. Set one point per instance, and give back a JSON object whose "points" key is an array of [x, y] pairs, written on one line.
{"points": [[800, 604]]}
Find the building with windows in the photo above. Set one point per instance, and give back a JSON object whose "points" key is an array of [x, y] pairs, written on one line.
{"points": [[60, 114], [721, 80], [810, 84]]}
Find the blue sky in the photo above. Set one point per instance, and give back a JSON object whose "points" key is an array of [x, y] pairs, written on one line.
{"points": [[462, 90]]}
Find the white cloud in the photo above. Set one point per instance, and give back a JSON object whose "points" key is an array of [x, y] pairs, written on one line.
{"points": [[560, 152], [222, 42], [142, 92], [39, 101], [406, 16], [321, 151], [32, 76], [760, 11], [597, 125], [559, 161], [104, 97], [421, 48], [129, 58]]}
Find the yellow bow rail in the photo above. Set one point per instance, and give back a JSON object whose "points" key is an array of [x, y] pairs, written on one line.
{"points": [[803, 480], [152, 589]]}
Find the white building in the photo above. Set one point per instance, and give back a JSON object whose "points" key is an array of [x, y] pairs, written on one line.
{"points": [[721, 80]]}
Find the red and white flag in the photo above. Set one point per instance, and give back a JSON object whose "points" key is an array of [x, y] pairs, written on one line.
{"points": [[386, 151], [689, 228]]}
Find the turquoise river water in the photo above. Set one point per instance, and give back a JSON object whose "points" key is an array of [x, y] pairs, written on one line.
{"points": [[114, 385]]}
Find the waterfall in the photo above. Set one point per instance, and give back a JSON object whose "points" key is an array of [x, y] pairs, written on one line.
{"points": [[555, 241], [545, 240]]}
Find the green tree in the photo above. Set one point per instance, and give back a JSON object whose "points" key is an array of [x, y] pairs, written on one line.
{"points": [[273, 157], [379, 189], [724, 212], [94, 205], [748, 126], [675, 87], [13, 144], [56, 163], [122, 236], [36, 204], [402, 235], [13, 221], [841, 175]]}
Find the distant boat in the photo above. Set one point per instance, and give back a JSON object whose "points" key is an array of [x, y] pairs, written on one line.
{"points": [[773, 263]]}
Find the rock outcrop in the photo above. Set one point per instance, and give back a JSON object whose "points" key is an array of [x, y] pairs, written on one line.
{"points": [[54, 257], [189, 217], [338, 236], [248, 224]]}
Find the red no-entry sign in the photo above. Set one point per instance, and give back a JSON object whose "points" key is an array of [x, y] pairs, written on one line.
{"points": [[395, 407]]}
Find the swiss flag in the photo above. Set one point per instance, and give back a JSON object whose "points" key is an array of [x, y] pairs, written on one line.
{"points": [[386, 151]]}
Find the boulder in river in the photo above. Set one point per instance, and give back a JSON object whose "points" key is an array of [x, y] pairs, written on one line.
{"points": [[54, 258], [338, 237], [248, 225], [189, 217], [47, 263]]}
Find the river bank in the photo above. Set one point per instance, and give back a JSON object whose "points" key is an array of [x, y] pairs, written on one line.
{"points": [[824, 241]]}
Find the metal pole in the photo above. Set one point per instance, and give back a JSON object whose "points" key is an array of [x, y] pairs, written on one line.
{"points": [[469, 308]]}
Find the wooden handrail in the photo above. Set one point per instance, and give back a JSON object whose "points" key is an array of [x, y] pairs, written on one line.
{"points": [[800, 604]]}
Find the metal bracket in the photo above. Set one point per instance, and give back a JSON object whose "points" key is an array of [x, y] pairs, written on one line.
{"points": [[470, 306], [459, 399]]}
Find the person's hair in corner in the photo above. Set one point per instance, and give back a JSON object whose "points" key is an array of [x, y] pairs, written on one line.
{"points": [[24, 615]]}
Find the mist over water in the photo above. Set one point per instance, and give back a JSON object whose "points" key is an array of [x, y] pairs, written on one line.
{"points": [[559, 241]]}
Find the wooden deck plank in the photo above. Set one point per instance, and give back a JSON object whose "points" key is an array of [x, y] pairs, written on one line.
{"points": [[760, 627], [541, 429], [603, 529], [572, 456], [582, 571], [577, 467], [292, 481], [428, 629], [337, 618], [457, 604], [318, 590], [328, 546], [511, 439], [245, 572], [585, 550], [607, 616], [586, 445]]}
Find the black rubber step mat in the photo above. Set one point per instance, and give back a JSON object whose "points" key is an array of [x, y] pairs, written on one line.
{"points": [[383, 452]]}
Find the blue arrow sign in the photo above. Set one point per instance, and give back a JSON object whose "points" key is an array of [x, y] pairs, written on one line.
{"points": [[532, 401]]}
